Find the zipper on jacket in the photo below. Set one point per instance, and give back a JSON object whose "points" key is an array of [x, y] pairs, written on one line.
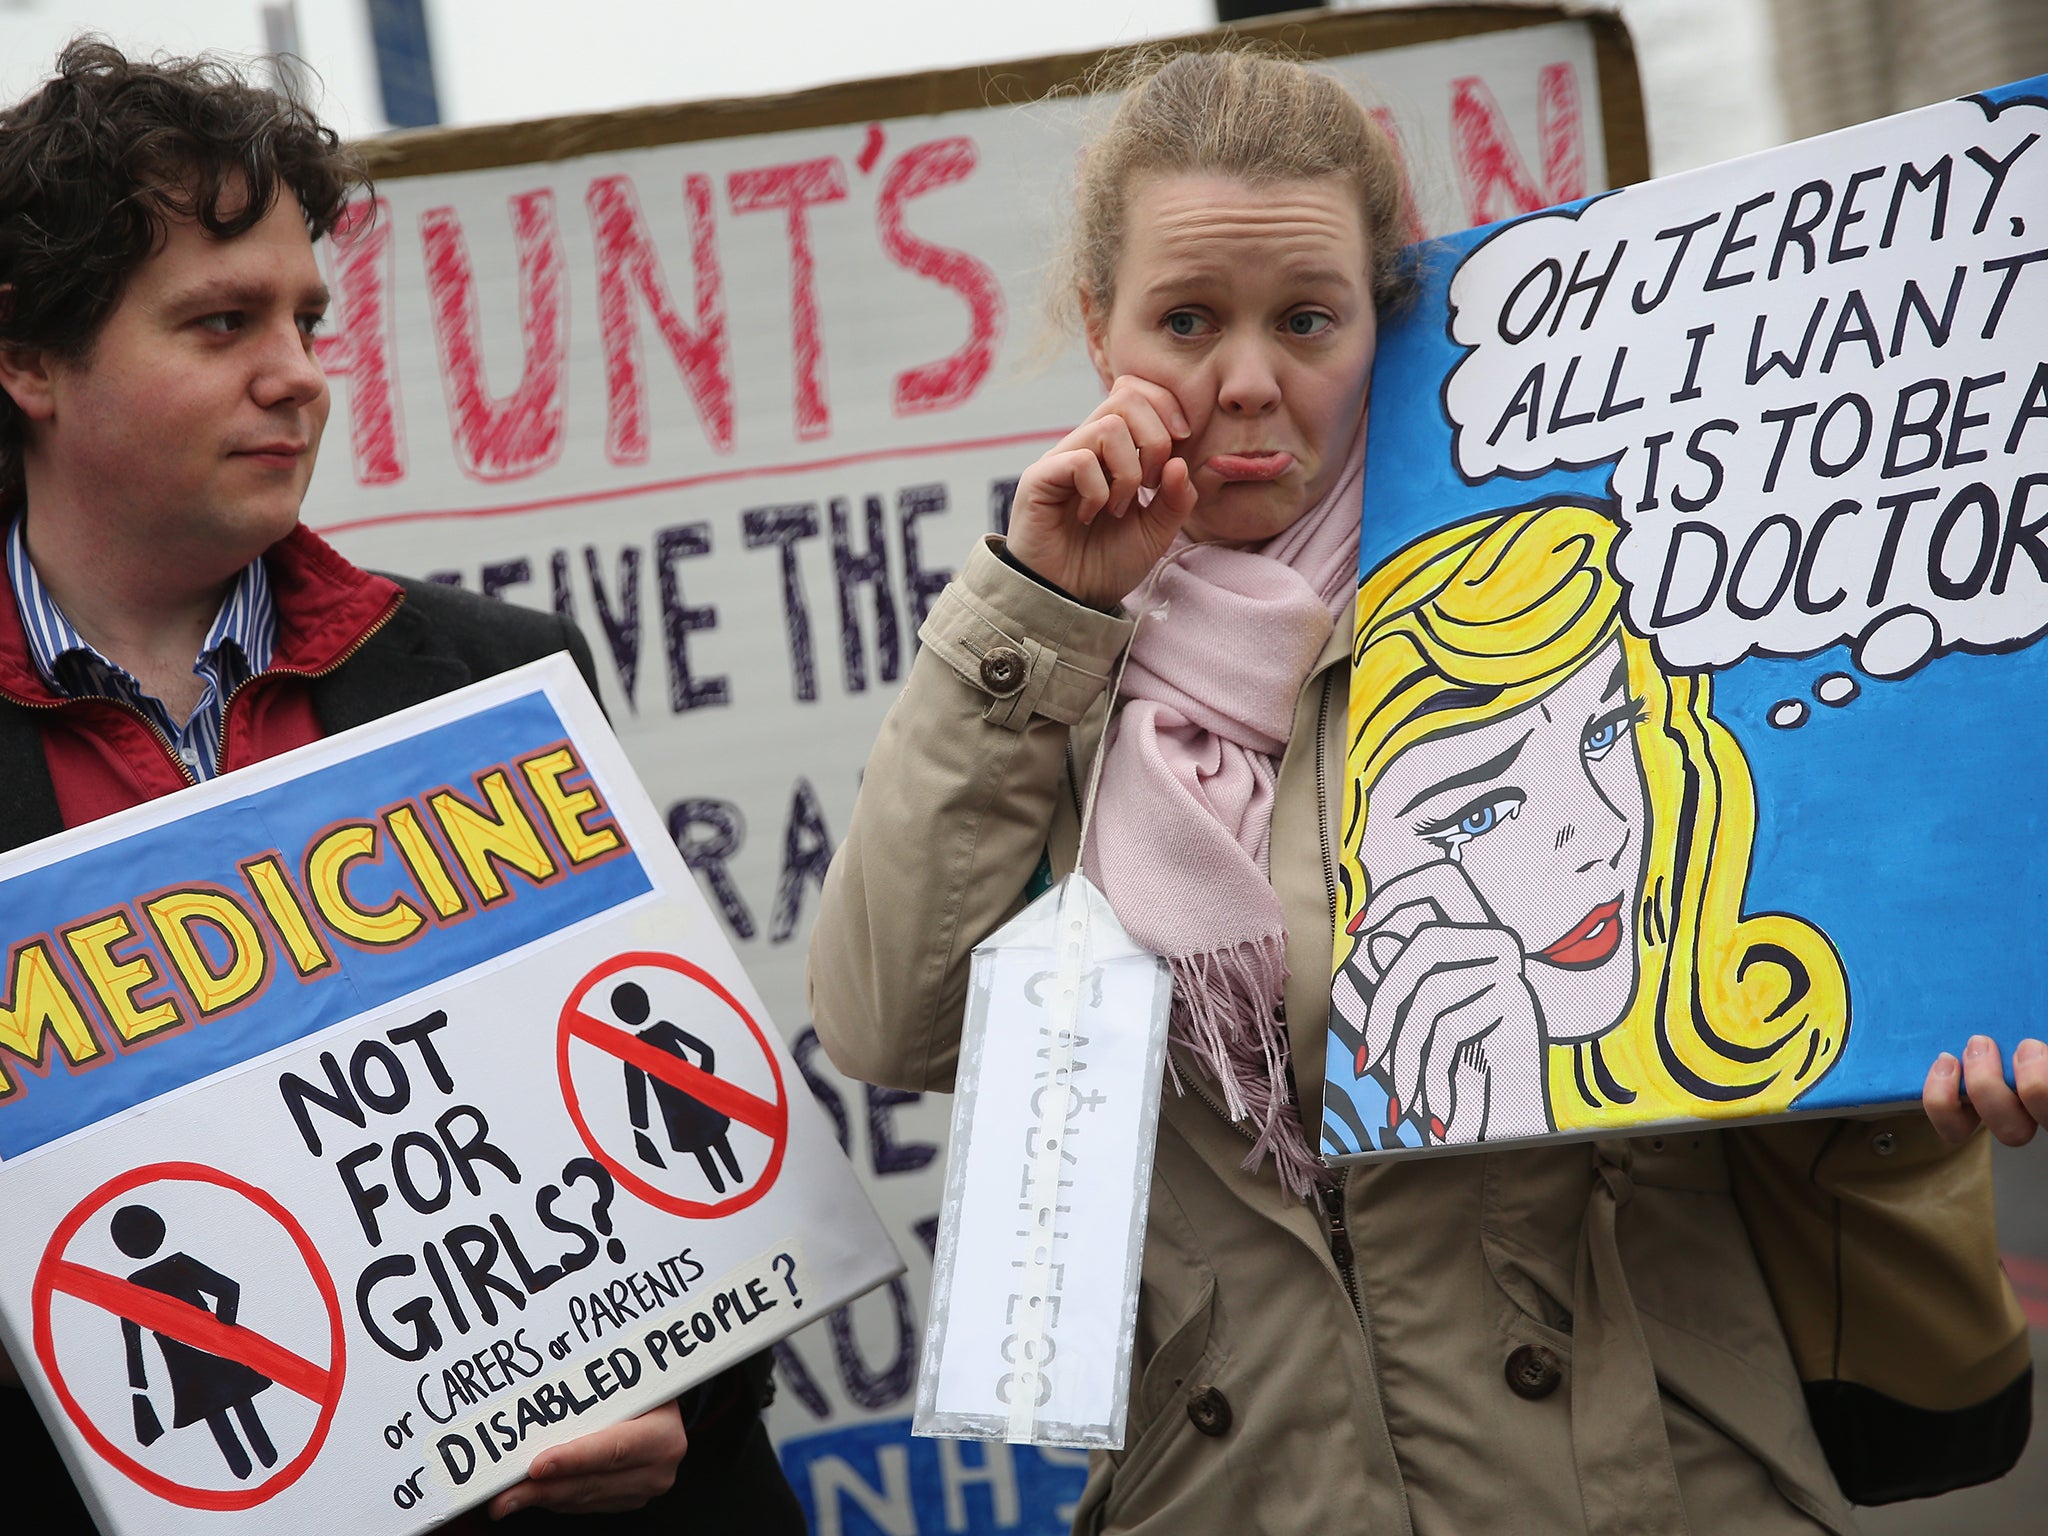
{"points": [[1340, 1247], [1331, 1199], [1333, 1195], [1323, 800], [221, 746], [170, 747], [227, 704], [1193, 1081]]}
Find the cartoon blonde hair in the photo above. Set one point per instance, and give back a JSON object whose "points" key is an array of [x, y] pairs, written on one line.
{"points": [[1734, 1013]]}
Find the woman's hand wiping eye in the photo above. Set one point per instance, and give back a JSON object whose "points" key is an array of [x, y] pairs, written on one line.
{"points": [[1094, 513]]}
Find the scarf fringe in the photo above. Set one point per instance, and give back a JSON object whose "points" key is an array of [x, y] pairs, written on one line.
{"points": [[1225, 1003]]}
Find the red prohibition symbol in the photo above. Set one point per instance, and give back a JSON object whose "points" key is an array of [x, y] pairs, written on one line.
{"points": [[193, 1326], [719, 1094]]}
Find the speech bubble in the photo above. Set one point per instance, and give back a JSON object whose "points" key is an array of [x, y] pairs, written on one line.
{"points": [[1836, 689], [1818, 375]]}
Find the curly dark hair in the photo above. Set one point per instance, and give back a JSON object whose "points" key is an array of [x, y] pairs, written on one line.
{"points": [[105, 154]]}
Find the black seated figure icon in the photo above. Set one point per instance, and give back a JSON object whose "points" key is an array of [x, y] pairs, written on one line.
{"points": [[692, 1125], [204, 1386]]}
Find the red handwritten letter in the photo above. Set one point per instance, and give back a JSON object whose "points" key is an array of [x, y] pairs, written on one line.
{"points": [[627, 264], [795, 188], [947, 382], [359, 348], [1496, 180], [501, 439]]}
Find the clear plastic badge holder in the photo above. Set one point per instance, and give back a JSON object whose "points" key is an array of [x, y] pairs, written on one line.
{"points": [[1035, 1276]]}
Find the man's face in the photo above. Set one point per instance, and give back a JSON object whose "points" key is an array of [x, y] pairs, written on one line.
{"points": [[190, 427]]}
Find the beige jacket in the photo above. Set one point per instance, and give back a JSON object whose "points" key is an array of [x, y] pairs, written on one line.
{"points": [[1453, 1346]]}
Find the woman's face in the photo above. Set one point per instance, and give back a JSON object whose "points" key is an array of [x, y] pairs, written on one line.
{"points": [[1253, 305], [1544, 810]]}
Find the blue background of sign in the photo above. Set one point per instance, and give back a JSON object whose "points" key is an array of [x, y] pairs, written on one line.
{"points": [[879, 1480], [205, 848]]}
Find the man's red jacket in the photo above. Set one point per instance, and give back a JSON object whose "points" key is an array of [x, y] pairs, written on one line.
{"points": [[105, 756]]}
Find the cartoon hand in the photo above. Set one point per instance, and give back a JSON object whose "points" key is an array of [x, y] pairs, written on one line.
{"points": [[1448, 1011], [1076, 518]]}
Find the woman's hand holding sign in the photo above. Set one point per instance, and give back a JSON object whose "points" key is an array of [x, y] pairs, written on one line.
{"points": [[1077, 518], [2014, 1113], [1446, 1007]]}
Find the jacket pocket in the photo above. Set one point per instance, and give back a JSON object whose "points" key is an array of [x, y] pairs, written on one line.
{"points": [[1172, 1477], [1162, 1388], [1533, 1212]]}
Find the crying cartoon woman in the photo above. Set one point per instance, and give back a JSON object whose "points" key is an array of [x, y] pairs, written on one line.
{"points": [[1543, 928]]}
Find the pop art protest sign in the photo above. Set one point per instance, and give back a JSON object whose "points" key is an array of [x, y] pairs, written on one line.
{"points": [[372, 1118], [1695, 693]]}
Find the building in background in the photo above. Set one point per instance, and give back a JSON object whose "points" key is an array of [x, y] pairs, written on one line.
{"points": [[405, 62], [1846, 61]]}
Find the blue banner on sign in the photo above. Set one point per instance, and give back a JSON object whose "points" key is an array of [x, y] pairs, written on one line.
{"points": [[876, 1480], [153, 961]]}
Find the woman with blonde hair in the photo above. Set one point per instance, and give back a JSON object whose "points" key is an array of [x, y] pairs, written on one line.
{"points": [[1560, 1339], [1554, 832]]}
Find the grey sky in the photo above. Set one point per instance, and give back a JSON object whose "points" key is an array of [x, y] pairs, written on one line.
{"points": [[505, 59], [1703, 61]]}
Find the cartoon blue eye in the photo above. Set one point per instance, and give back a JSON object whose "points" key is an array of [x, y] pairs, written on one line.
{"points": [[1451, 833], [1604, 732], [1481, 820]]}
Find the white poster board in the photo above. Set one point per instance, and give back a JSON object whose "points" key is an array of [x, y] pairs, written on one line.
{"points": [[377, 1116], [748, 489]]}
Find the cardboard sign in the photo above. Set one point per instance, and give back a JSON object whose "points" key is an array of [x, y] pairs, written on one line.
{"points": [[1695, 695], [736, 385], [377, 1116]]}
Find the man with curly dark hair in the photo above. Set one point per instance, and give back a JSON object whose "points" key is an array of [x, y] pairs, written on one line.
{"points": [[166, 617]]}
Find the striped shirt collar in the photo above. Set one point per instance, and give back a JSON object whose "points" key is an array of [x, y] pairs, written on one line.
{"points": [[239, 645]]}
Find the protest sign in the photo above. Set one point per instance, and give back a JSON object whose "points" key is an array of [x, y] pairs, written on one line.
{"points": [[1695, 690], [377, 1116], [736, 385]]}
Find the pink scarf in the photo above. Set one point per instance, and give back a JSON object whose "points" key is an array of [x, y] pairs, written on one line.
{"points": [[1185, 810]]}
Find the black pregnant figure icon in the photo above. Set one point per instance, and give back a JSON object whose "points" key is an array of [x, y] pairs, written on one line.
{"points": [[204, 1386], [692, 1125]]}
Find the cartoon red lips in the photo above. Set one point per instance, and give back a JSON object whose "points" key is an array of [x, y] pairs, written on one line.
{"points": [[1592, 941]]}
